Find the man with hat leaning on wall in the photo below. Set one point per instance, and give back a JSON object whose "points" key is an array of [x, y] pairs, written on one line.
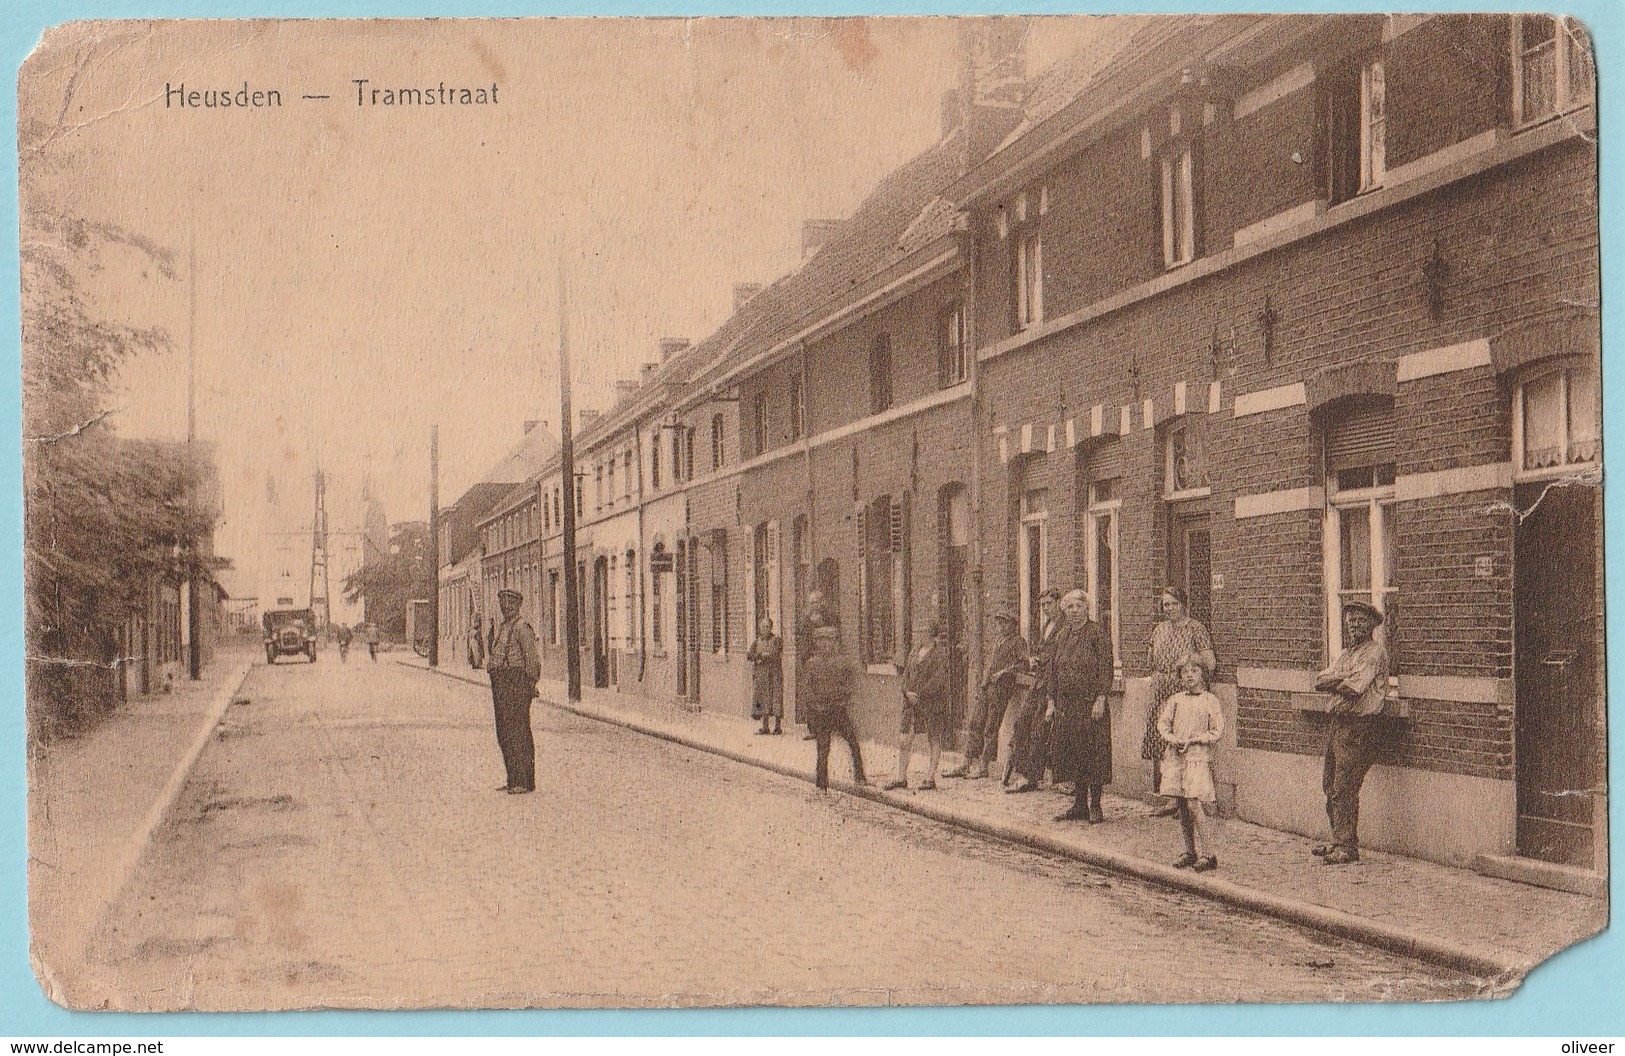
{"points": [[515, 666], [1008, 659], [1358, 684]]}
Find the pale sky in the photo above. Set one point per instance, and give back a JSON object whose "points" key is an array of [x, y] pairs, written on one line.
{"points": [[363, 272]]}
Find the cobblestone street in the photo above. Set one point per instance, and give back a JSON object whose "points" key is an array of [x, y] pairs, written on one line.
{"points": [[340, 843]]}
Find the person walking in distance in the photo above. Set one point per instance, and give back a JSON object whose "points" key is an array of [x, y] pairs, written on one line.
{"points": [[344, 636], [925, 706], [1029, 740], [372, 641], [1008, 660], [826, 689], [515, 666], [766, 656], [1190, 723], [1357, 682], [1078, 678]]}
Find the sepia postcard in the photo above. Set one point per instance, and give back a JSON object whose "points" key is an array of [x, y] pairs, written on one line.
{"points": [[808, 512]]}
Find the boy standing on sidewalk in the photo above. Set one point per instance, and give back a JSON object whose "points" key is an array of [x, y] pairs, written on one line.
{"points": [[1009, 658]]}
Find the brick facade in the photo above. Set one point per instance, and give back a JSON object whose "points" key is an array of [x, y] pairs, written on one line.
{"points": [[1298, 310]]}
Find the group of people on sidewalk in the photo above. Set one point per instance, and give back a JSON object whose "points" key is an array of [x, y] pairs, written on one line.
{"points": [[1060, 687]]}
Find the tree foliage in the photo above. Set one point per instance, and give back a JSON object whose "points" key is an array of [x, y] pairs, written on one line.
{"points": [[386, 582], [104, 517]]}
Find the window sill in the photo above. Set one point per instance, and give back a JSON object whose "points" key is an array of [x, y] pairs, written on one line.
{"points": [[1188, 493], [1393, 707], [1574, 470], [1582, 114]]}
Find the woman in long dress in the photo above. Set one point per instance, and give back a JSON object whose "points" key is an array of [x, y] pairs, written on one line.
{"points": [[1176, 636]]}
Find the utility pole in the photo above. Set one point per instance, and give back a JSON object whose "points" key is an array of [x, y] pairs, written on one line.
{"points": [[567, 462], [194, 613], [434, 545]]}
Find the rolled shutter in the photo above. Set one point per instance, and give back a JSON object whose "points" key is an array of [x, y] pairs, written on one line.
{"points": [[1360, 435]]}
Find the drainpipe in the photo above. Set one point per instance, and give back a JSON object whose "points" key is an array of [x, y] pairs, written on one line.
{"points": [[979, 602], [642, 559]]}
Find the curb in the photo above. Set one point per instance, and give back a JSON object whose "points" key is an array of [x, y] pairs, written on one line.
{"points": [[161, 806], [1499, 969]]}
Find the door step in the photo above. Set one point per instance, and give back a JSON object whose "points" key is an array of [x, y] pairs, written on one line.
{"points": [[1543, 874]]}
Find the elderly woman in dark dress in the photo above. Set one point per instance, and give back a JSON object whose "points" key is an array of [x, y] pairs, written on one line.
{"points": [[1078, 678], [766, 655], [1176, 636]]}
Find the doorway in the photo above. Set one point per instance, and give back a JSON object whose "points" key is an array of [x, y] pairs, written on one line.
{"points": [[600, 623], [1190, 563], [1558, 673]]}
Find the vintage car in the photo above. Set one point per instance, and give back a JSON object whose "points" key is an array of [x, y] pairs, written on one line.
{"points": [[289, 632]]}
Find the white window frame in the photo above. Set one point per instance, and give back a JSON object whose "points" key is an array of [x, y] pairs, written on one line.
{"points": [[1029, 276], [1178, 207], [1033, 516], [1563, 370], [1373, 126], [958, 344], [1107, 511], [1563, 98], [1376, 504], [556, 596]]}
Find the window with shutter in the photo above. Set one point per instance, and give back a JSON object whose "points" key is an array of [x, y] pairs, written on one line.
{"points": [[862, 528], [1359, 529]]}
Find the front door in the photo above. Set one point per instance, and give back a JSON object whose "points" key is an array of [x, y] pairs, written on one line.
{"points": [[1190, 564], [600, 623], [681, 588], [1559, 727], [693, 603]]}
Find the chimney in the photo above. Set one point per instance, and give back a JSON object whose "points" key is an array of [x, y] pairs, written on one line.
{"points": [[532, 424], [647, 372], [992, 80], [625, 388], [588, 416], [670, 346], [814, 233], [744, 291]]}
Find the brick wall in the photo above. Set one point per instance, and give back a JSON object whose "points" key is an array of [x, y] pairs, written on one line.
{"points": [[1447, 80]]}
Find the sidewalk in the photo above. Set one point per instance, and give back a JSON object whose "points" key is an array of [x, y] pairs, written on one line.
{"points": [[1453, 917], [93, 801]]}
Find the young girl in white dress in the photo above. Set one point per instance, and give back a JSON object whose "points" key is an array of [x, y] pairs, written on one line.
{"points": [[1191, 723]]}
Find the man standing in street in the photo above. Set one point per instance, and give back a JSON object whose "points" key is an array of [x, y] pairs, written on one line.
{"points": [[372, 641], [515, 665], [1009, 658], [1029, 740], [1358, 683], [812, 618], [827, 685]]}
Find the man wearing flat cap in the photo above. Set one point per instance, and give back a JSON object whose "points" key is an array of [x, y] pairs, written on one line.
{"points": [[1357, 682], [515, 666], [1008, 659]]}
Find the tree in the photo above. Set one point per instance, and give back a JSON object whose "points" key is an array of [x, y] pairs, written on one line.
{"points": [[388, 581], [104, 517]]}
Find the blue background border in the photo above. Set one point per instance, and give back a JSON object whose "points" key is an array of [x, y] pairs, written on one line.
{"points": [[1578, 994]]}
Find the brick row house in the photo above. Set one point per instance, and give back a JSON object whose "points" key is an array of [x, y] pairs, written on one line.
{"points": [[1285, 310]]}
